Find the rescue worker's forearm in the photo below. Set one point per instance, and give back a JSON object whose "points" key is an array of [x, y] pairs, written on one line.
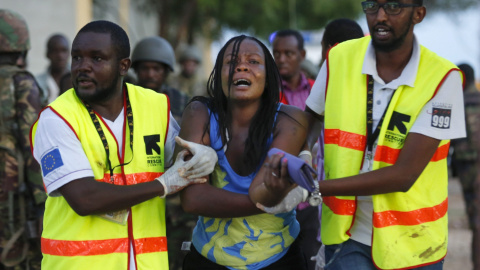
{"points": [[400, 177], [87, 196]]}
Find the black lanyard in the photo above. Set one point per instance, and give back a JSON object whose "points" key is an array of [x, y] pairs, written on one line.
{"points": [[372, 136], [99, 129]]}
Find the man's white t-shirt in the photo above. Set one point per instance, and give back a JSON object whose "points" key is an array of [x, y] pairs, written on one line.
{"points": [[53, 133], [449, 96]]}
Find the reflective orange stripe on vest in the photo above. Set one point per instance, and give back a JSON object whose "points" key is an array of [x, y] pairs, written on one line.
{"points": [[390, 155], [345, 139], [416, 217], [132, 178], [441, 153], [340, 206], [102, 247]]}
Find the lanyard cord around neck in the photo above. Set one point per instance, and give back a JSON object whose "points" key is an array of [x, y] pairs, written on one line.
{"points": [[372, 136], [99, 129]]}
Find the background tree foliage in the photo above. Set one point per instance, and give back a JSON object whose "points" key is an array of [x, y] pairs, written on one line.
{"points": [[182, 21]]}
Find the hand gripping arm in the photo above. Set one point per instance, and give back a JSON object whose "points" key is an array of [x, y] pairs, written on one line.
{"points": [[173, 180], [293, 198], [203, 160]]}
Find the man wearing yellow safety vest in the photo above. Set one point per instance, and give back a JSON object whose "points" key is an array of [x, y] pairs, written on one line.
{"points": [[101, 146], [390, 107]]}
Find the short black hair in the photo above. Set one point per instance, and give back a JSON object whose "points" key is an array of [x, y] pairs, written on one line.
{"points": [[341, 30], [118, 36], [469, 73], [54, 38], [290, 32], [418, 2]]}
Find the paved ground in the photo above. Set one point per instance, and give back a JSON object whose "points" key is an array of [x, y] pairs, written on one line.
{"points": [[460, 237]]}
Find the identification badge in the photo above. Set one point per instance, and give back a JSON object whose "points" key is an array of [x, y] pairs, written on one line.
{"points": [[119, 217], [441, 118]]}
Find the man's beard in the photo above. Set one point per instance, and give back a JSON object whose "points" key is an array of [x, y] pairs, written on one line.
{"points": [[100, 95], [394, 44]]}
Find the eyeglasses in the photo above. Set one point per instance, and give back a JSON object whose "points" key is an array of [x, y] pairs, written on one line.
{"points": [[391, 8]]}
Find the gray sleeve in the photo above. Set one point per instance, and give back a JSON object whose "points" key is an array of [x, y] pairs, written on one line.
{"points": [[173, 130]]}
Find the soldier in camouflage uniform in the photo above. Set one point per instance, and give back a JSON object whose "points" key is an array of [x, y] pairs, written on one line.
{"points": [[189, 80], [21, 188], [466, 159], [153, 59]]}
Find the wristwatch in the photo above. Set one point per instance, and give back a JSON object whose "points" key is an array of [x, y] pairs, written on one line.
{"points": [[315, 197]]}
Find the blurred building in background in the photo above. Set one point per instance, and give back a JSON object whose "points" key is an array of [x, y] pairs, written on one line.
{"points": [[47, 17]]}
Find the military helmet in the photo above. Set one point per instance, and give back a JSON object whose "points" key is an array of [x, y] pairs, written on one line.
{"points": [[190, 52], [154, 49], [13, 32]]}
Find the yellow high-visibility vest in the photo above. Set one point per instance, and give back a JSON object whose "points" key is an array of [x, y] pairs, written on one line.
{"points": [[70, 241], [409, 228]]}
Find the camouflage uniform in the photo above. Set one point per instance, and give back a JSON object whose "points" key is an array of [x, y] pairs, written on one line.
{"points": [[193, 86], [465, 165], [465, 157], [22, 195]]}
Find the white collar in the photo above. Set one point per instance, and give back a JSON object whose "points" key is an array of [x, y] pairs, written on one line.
{"points": [[408, 75]]}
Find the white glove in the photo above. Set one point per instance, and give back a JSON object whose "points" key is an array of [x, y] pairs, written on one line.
{"points": [[319, 258], [172, 181], [203, 160], [306, 156], [293, 198]]}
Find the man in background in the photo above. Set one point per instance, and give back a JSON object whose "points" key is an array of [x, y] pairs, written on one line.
{"points": [[152, 60], [188, 80], [289, 52], [466, 159], [338, 31], [58, 53]]}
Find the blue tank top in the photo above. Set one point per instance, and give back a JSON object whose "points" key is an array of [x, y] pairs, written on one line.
{"points": [[251, 242]]}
